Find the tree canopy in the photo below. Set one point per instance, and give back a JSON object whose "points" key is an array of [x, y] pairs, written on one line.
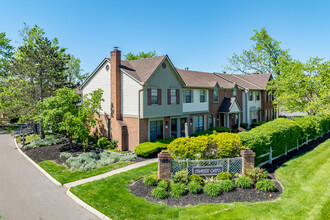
{"points": [[141, 55], [266, 56], [75, 75], [6, 53]]}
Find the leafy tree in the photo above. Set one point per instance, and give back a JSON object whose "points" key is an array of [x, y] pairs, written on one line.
{"points": [[141, 55], [6, 53], [74, 73], [42, 62], [16, 98], [266, 56], [60, 112], [303, 86]]}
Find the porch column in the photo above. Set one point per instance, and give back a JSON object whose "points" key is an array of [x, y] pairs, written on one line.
{"points": [[228, 123], [239, 119]]}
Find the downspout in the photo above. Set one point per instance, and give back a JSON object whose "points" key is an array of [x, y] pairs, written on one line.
{"points": [[139, 112]]}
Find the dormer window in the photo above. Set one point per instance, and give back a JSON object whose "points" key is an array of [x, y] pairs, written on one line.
{"points": [[234, 92]]}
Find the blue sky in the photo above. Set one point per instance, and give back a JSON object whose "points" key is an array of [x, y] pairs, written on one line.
{"points": [[200, 35]]}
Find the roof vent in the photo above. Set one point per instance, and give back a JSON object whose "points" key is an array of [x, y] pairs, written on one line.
{"points": [[115, 48], [187, 68], [224, 72]]}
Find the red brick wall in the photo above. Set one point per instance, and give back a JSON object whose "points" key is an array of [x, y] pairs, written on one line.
{"points": [[265, 105], [166, 128], [214, 107], [102, 129]]}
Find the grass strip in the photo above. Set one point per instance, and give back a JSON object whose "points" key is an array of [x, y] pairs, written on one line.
{"points": [[306, 195], [62, 174]]}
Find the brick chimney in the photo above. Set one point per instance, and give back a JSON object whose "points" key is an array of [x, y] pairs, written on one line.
{"points": [[115, 60]]}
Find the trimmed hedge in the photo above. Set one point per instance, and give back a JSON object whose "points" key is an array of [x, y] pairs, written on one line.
{"points": [[244, 125], [256, 124], [283, 132], [148, 149], [201, 133], [228, 145], [220, 129]]}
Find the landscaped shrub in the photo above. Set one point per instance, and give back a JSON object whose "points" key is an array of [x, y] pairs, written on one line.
{"points": [[65, 155], [212, 189], [148, 149], [224, 176], [256, 173], [163, 183], [104, 143], [220, 129], [201, 133], [194, 187], [159, 193], [48, 141], [276, 134], [266, 185], [196, 178], [92, 160], [313, 125], [256, 124], [178, 189], [210, 180], [92, 139], [243, 182], [228, 145], [244, 125], [150, 181], [181, 176], [166, 141], [227, 185]]}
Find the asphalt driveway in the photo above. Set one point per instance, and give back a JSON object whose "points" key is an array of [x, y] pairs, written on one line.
{"points": [[25, 193]]}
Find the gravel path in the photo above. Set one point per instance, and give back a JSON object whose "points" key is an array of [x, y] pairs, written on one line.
{"points": [[27, 194]]}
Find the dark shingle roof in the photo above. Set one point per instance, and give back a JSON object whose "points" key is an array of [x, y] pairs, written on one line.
{"points": [[226, 104]]}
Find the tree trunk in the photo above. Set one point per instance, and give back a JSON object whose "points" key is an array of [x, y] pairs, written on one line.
{"points": [[42, 133], [70, 141]]}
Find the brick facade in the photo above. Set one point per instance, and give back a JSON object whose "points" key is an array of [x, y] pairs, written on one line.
{"points": [[266, 105]]}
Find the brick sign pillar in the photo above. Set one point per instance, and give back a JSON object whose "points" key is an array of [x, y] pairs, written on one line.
{"points": [[248, 158], [164, 165]]}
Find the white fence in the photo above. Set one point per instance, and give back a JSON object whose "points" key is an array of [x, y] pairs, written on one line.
{"points": [[231, 165], [270, 153]]}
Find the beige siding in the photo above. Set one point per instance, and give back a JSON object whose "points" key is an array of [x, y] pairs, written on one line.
{"points": [[101, 80], [196, 105]]}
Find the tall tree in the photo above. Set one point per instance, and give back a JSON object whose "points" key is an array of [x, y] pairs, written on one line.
{"points": [[141, 55], [42, 62], [303, 86], [6, 53], [75, 75], [266, 56]]}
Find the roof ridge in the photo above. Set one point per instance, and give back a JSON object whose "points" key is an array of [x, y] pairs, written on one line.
{"points": [[247, 81], [218, 74]]}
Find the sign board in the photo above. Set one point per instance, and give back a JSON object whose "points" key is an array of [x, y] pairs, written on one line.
{"points": [[207, 170]]}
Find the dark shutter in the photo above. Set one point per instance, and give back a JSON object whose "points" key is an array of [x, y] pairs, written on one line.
{"points": [[159, 96], [168, 96], [149, 96], [177, 96]]}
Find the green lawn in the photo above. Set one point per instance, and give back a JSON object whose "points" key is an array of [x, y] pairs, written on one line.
{"points": [[62, 174], [306, 195]]}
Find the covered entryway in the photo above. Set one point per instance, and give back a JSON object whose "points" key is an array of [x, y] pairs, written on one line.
{"points": [[230, 113]]}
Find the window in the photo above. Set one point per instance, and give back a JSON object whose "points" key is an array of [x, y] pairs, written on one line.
{"points": [[266, 96], [272, 114], [211, 121], [234, 92], [156, 130], [199, 123], [236, 118], [187, 96], [253, 116], [174, 127], [202, 96], [173, 96], [258, 96], [154, 96], [215, 95], [250, 96]]}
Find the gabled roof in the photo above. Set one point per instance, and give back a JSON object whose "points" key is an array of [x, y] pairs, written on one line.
{"points": [[141, 69], [203, 79], [258, 79], [227, 105], [240, 81]]}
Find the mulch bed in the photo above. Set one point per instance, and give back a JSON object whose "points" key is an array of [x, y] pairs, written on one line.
{"points": [[53, 152], [238, 195], [139, 189]]}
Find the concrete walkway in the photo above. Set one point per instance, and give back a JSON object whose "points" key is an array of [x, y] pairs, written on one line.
{"points": [[111, 173], [27, 194]]}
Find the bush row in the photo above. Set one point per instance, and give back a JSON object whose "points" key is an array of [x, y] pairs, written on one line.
{"points": [[215, 145], [281, 133], [149, 149], [210, 131]]}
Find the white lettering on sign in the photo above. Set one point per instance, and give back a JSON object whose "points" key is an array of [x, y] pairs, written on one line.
{"points": [[207, 170]]}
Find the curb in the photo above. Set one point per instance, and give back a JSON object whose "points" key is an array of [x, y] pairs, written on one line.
{"points": [[37, 166], [86, 206]]}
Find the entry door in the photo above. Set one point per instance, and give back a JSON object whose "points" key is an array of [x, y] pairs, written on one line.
{"points": [[174, 128], [156, 130], [182, 127]]}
